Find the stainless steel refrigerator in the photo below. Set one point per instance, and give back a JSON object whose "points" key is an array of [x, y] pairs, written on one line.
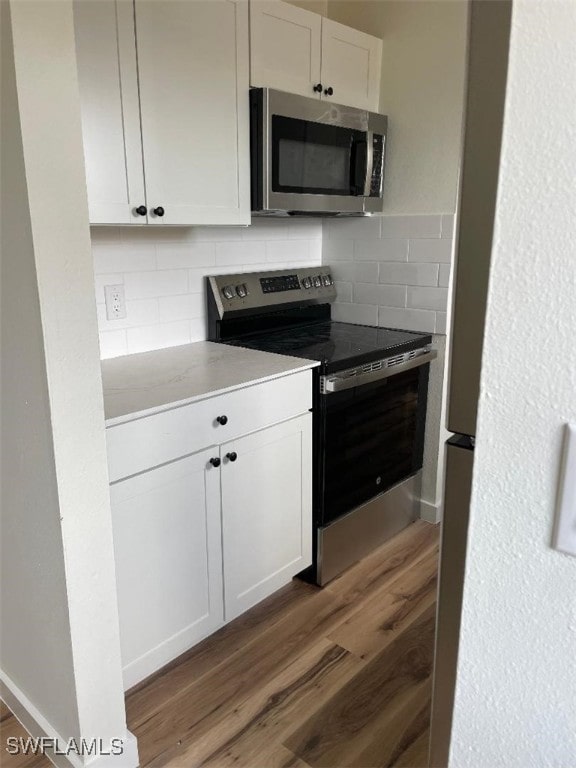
{"points": [[488, 43]]}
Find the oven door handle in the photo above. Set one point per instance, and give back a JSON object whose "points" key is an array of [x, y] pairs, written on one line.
{"points": [[334, 383]]}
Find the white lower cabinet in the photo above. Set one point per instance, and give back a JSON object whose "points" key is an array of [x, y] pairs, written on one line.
{"points": [[167, 543], [201, 538], [266, 512]]}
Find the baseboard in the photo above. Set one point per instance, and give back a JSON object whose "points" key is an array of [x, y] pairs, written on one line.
{"points": [[431, 513], [38, 727]]}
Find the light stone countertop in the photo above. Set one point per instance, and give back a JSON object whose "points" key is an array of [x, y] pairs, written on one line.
{"points": [[150, 382]]}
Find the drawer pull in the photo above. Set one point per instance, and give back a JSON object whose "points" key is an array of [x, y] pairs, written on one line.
{"points": [[222, 420], [215, 461], [232, 456]]}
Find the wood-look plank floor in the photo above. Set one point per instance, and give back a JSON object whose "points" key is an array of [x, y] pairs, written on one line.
{"points": [[338, 677]]}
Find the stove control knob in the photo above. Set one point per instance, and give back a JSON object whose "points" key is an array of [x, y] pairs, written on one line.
{"points": [[317, 281], [307, 282], [327, 280], [228, 292], [242, 290]]}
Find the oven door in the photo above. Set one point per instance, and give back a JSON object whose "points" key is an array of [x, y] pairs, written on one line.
{"points": [[373, 437], [309, 156]]}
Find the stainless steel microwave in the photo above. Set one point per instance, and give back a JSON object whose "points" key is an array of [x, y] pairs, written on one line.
{"points": [[312, 157]]}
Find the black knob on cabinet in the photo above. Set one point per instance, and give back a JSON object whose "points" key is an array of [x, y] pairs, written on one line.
{"points": [[317, 88], [232, 456], [215, 461], [158, 211], [222, 420], [141, 210], [328, 91]]}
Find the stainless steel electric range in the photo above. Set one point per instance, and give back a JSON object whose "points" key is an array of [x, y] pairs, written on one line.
{"points": [[369, 404]]}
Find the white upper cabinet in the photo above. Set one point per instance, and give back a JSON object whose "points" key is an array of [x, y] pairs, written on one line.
{"points": [[298, 51], [167, 129], [193, 70], [351, 63], [110, 110], [285, 47]]}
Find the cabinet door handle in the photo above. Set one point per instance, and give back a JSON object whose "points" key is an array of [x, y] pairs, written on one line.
{"points": [[215, 461], [141, 210], [232, 456], [222, 420], [317, 88], [159, 211], [328, 91]]}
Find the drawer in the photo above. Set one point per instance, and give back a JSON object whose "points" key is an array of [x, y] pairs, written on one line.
{"points": [[147, 442]]}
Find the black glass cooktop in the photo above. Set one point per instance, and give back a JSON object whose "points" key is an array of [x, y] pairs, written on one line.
{"points": [[335, 345]]}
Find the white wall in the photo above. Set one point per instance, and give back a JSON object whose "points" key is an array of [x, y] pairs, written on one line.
{"points": [[163, 270], [60, 658], [35, 647], [515, 698]]}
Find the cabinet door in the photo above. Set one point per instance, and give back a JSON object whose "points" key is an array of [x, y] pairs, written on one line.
{"points": [[351, 62], [167, 543], [193, 74], [266, 512], [106, 55], [284, 47]]}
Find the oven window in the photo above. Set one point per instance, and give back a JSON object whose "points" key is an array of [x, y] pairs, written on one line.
{"points": [[314, 158], [374, 439]]}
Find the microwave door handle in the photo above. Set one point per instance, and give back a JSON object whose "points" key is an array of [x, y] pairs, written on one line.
{"points": [[358, 167], [369, 162]]}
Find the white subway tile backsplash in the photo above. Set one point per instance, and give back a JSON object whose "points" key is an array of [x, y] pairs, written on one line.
{"points": [[305, 229], [404, 270], [113, 344], [237, 253], [444, 275], [407, 319], [265, 229], [183, 307], [355, 272], [164, 271], [381, 250], [367, 228], [411, 226], [100, 281], [409, 274], [287, 250], [355, 313], [366, 272], [343, 291], [182, 255], [139, 312], [386, 295], [427, 298], [440, 322], [198, 330], [144, 285], [158, 336], [438, 251], [197, 277], [121, 257], [448, 220], [337, 250]]}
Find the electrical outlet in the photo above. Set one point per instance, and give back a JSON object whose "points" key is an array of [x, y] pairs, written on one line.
{"points": [[115, 302], [565, 529]]}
